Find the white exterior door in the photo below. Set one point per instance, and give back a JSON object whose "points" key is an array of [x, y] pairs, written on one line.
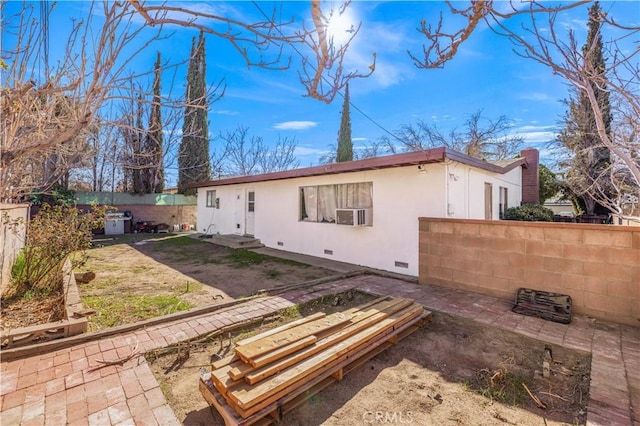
{"points": [[238, 215], [250, 213]]}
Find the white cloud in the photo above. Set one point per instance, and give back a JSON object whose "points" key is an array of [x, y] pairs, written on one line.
{"points": [[302, 151], [295, 125], [536, 96], [359, 139], [225, 112], [536, 134], [386, 39], [534, 137], [574, 24]]}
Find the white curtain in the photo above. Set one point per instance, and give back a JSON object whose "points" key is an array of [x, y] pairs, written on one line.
{"points": [[321, 202], [355, 195], [327, 203], [310, 203]]}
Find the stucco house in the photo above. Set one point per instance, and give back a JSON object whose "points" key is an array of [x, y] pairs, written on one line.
{"points": [[366, 211]]}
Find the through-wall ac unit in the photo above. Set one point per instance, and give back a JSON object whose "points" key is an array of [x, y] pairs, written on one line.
{"points": [[353, 217]]}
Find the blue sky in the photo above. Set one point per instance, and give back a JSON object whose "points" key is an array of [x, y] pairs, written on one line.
{"points": [[485, 74]]}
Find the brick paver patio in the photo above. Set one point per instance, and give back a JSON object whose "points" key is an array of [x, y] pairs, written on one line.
{"points": [[66, 387]]}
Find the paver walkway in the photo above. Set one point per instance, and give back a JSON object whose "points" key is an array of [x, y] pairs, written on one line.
{"points": [[65, 387]]}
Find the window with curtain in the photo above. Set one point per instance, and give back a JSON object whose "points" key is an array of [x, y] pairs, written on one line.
{"points": [[319, 203]]}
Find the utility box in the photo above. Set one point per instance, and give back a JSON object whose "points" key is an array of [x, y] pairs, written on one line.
{"points": [[114, 223]]}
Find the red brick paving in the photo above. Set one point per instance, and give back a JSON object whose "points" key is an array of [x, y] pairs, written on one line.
{"points": [[70, 385]]}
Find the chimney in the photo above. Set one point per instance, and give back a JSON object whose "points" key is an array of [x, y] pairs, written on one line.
{"points": [[530, 176]]}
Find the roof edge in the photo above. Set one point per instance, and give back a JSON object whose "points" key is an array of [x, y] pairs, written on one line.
{"points": [[428, 156]]}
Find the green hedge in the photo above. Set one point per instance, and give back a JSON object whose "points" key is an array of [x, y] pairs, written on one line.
{"points": [[529, 213]]}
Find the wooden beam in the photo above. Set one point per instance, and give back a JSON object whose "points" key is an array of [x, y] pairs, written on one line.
{"points": [[359, 323], [246, 396], [345, 359], [297, 396], [284, 327], [275, 341]]}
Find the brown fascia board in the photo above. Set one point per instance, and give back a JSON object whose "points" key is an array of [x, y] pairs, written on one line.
{"points": [[435, 155]]}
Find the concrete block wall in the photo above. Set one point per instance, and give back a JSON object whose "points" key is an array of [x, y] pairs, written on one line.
{"points": [[161, 214], [597, 265]]}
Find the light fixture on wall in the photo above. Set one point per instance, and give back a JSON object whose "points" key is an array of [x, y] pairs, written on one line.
{"points": [[422, 168]]}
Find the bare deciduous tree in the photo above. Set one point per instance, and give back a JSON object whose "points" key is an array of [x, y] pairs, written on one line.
{"points": [[243, 155], [46, 117], [321, 71], [540, 40], [490, 139]]}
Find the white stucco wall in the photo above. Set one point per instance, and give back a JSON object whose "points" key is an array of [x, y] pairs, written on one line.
{"points": [[466, 190], [400, 196]]}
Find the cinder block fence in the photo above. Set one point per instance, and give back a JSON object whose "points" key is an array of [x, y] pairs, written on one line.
{"points": [[597, 265]]}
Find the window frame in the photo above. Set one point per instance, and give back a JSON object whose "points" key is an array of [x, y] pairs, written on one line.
{"points": [[503, 202], [210, 201], [338, 188]]}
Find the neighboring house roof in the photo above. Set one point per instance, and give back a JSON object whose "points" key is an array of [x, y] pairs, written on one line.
{"points": [[435, 155]]}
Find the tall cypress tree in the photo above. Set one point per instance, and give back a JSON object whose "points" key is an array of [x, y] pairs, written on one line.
{"points": [[154, 176], [193, 156], [345, 144], [135, 136], [591, 159]]}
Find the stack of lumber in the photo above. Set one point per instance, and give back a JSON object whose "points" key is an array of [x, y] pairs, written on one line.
{"points": [[271, 373]]}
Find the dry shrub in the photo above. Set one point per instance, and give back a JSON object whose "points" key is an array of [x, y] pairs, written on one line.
{"points": [[55, 234]]}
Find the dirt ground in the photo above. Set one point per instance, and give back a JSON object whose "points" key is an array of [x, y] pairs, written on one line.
{"points": [[27, 312], [452, 372], [151, 262], [195, 271]]}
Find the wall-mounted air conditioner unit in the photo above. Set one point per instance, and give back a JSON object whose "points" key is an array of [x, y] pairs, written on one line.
{"points": [[353, 217]]}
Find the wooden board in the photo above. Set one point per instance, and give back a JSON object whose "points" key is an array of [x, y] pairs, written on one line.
{"points": [[272, 342], [328, 371], [233, 416], [386, 307], [280, 353], [287, 326], [225, 361], [247, 396], [360, 322]]}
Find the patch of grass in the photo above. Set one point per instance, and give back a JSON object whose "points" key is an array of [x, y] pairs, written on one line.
{"points": [[115, 310], [501, 386], [290, 312], [139, 269], [240, 258], [102, 285], [178, 241]]}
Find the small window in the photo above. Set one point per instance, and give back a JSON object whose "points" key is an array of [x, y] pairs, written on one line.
{"points": [[251, 201], [211, 199], [503, 201]]}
